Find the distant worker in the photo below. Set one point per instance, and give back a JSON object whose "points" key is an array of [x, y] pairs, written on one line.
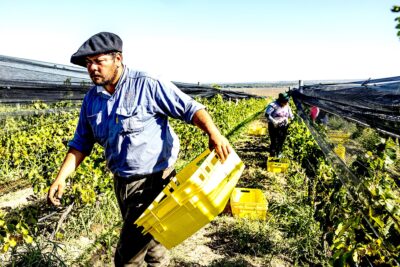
{"points": [[318, 115], [323, 118], [278, 114], [314, 112], [127, 112]]}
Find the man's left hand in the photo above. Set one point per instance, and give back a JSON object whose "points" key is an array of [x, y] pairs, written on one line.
{"points": [[221, 146]]}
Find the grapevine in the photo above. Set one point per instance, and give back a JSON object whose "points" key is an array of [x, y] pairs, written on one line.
{"points": [[33, 147]]}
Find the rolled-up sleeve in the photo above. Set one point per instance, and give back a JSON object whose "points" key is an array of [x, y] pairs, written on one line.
{"points": [[171, 101], [83, 140], [269, 110]]}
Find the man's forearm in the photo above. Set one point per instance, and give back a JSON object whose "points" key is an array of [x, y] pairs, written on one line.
{"points": [[204, 121], [215, 140], [72, 160]]}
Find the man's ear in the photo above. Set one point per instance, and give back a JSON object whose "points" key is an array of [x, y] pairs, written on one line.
{"points": [[119, 57]]}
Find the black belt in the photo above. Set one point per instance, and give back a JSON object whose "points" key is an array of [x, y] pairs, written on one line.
{"points": [[136, 177]]}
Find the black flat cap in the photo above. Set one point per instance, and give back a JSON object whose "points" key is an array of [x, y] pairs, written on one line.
{"points": [[103, 42]]}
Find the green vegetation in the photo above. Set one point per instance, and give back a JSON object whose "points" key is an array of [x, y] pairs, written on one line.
{"points": [[33, 147], [358, 213], [259, 84], [44, 254], [317, 215]]}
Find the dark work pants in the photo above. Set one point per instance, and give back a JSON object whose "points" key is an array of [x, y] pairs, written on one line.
{"points": [[277, 136], [134, 248]]}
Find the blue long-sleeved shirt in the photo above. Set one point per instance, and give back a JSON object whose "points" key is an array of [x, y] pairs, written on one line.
{"points": [[132, 124]]}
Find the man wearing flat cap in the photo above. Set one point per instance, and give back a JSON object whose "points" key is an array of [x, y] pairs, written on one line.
{"points": [[126, 112]]}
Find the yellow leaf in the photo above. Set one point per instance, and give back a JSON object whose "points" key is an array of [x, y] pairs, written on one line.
{"points": [[24, 231], [355, 256], [378, 221], [339, 229], [341, 245], [59, 236], [28, 239], [5, 247], [12, 242]]}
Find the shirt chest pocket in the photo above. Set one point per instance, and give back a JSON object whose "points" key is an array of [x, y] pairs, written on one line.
{"points": [[130, 122]]}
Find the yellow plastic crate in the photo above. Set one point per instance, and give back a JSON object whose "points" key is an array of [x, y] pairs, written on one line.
{"points": [[257, 130], [248, 203], [277, 165], [338, 136], [192, 199], [340, 150]]}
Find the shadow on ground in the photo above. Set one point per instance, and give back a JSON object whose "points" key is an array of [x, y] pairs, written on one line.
{"points": [[225, 262]]}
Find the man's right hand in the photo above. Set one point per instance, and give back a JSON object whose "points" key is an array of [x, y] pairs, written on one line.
{"points": [[71, 162], [55, 192]]}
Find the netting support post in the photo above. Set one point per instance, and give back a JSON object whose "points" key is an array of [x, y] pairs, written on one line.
{"points": [[301, 83]]}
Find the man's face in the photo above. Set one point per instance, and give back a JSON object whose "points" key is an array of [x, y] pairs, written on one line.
{"points": [[103, 68]]}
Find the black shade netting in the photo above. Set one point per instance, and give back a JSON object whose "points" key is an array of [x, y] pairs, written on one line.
{"points": [[374, 103], [24, 80]]}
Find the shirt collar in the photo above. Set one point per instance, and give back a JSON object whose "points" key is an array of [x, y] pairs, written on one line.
{"points": [[101, 89], [122, 79]]}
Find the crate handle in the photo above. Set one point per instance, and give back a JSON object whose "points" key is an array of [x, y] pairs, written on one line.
{"points": [[168, 189], [200, 157], [159, 227]]}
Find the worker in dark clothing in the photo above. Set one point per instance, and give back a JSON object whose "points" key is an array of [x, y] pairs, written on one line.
{"points": [[278, 114]]}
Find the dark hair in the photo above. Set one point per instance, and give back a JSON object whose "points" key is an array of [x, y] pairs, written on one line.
{"points": [[114, 54], [283, 97]]}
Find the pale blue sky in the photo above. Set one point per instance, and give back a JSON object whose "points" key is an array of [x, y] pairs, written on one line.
{"points": [[215, 41]]}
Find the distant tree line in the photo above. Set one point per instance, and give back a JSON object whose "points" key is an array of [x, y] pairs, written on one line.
{"points": [[396, 9], [253, 85]]}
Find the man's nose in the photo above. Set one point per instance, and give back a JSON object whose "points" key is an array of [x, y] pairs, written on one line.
{"points": [[92, 66]]}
